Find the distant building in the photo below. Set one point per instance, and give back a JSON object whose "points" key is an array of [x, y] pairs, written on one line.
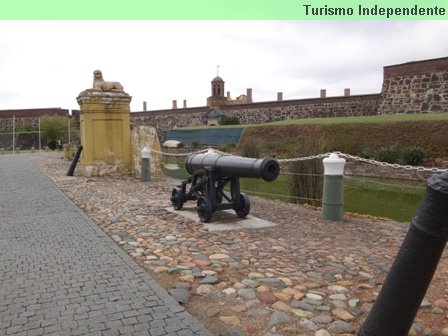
{"points": [[213, 117]]}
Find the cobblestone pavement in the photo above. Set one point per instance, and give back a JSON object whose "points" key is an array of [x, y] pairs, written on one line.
{"points": [[61, 275], [304, 276]]}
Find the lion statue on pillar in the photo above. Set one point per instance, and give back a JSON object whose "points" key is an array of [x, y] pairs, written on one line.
{"points": [[100, 84]]}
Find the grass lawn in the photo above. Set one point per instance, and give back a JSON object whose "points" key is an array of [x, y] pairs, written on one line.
{"points": [[395, 199], [340, 120], [363, 119]]}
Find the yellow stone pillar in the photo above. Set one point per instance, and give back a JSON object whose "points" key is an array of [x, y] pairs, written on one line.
{"points": [[105, 132]]}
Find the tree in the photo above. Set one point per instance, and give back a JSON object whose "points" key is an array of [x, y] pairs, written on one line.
{"points": [[54, 128]]}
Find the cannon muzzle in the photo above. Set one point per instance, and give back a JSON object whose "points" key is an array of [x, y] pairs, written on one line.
{"points": [[231, 166]]}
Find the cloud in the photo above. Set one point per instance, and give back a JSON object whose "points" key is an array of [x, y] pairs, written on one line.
{"points": [[47, 63]]}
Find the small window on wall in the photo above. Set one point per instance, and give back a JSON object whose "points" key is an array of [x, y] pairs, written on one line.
{"points": [[219, 91], [214, 90]]}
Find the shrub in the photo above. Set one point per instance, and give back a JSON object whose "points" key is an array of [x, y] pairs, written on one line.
{"points": [[228, 148], [228, 120], [54, 128], [408, 156], [194, 144], [24, 129], [251, 148], [388, 154], [413, 156], [52, 144], [367, 153]]}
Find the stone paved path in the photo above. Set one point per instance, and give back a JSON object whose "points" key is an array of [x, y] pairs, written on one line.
{"points": [[302, 277], [61, 275]]}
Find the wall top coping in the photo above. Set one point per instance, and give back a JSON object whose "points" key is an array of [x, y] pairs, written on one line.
{"points": [[103, 96], [183, 110], [305, 101], [416, 67], [33, 112]]}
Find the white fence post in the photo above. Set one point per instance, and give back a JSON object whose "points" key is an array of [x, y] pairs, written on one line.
{"points": [[333, 194]]}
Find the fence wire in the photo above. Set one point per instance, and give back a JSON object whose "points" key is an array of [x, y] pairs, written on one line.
{"points": [[364, 180], [280, 195]]}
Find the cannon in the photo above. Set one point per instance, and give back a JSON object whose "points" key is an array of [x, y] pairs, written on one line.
{"points": [[211, 173], [414, 266]]}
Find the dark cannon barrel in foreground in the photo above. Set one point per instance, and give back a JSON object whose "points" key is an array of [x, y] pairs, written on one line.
{"points": [[266, 169]]}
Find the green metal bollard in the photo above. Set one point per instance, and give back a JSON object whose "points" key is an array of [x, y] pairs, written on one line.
{"points": [[145, 175], [333, 193]]}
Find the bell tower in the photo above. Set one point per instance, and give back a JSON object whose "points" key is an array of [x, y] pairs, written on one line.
{"points": [[217, 98]]}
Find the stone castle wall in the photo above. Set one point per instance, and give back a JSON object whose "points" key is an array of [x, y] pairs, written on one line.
{"points": [[263, 112], [29, 118], [305, 108], [165, 120], [22, 141], [415, 87], [34, 113], [28, 122]]}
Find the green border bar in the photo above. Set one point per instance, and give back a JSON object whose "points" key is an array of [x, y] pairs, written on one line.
{"points": [[223, 10]]}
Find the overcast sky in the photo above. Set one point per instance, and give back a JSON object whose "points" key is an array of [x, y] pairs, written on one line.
{"points": [[48, 63]]}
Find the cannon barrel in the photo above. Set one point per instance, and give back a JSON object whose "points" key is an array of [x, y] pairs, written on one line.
{"points": [[266, 169], [416, 262]]}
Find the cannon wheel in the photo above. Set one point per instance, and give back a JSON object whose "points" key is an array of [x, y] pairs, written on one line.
{"points": [[177, 198], [205, 209], [243, 211]]}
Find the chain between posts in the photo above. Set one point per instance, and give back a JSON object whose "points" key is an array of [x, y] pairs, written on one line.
{"points": [[321, 156], [305, 158], [393, 165]]}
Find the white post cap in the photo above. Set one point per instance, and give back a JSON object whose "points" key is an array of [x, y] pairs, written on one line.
{"points": [[145, 153], [334, 165]]}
